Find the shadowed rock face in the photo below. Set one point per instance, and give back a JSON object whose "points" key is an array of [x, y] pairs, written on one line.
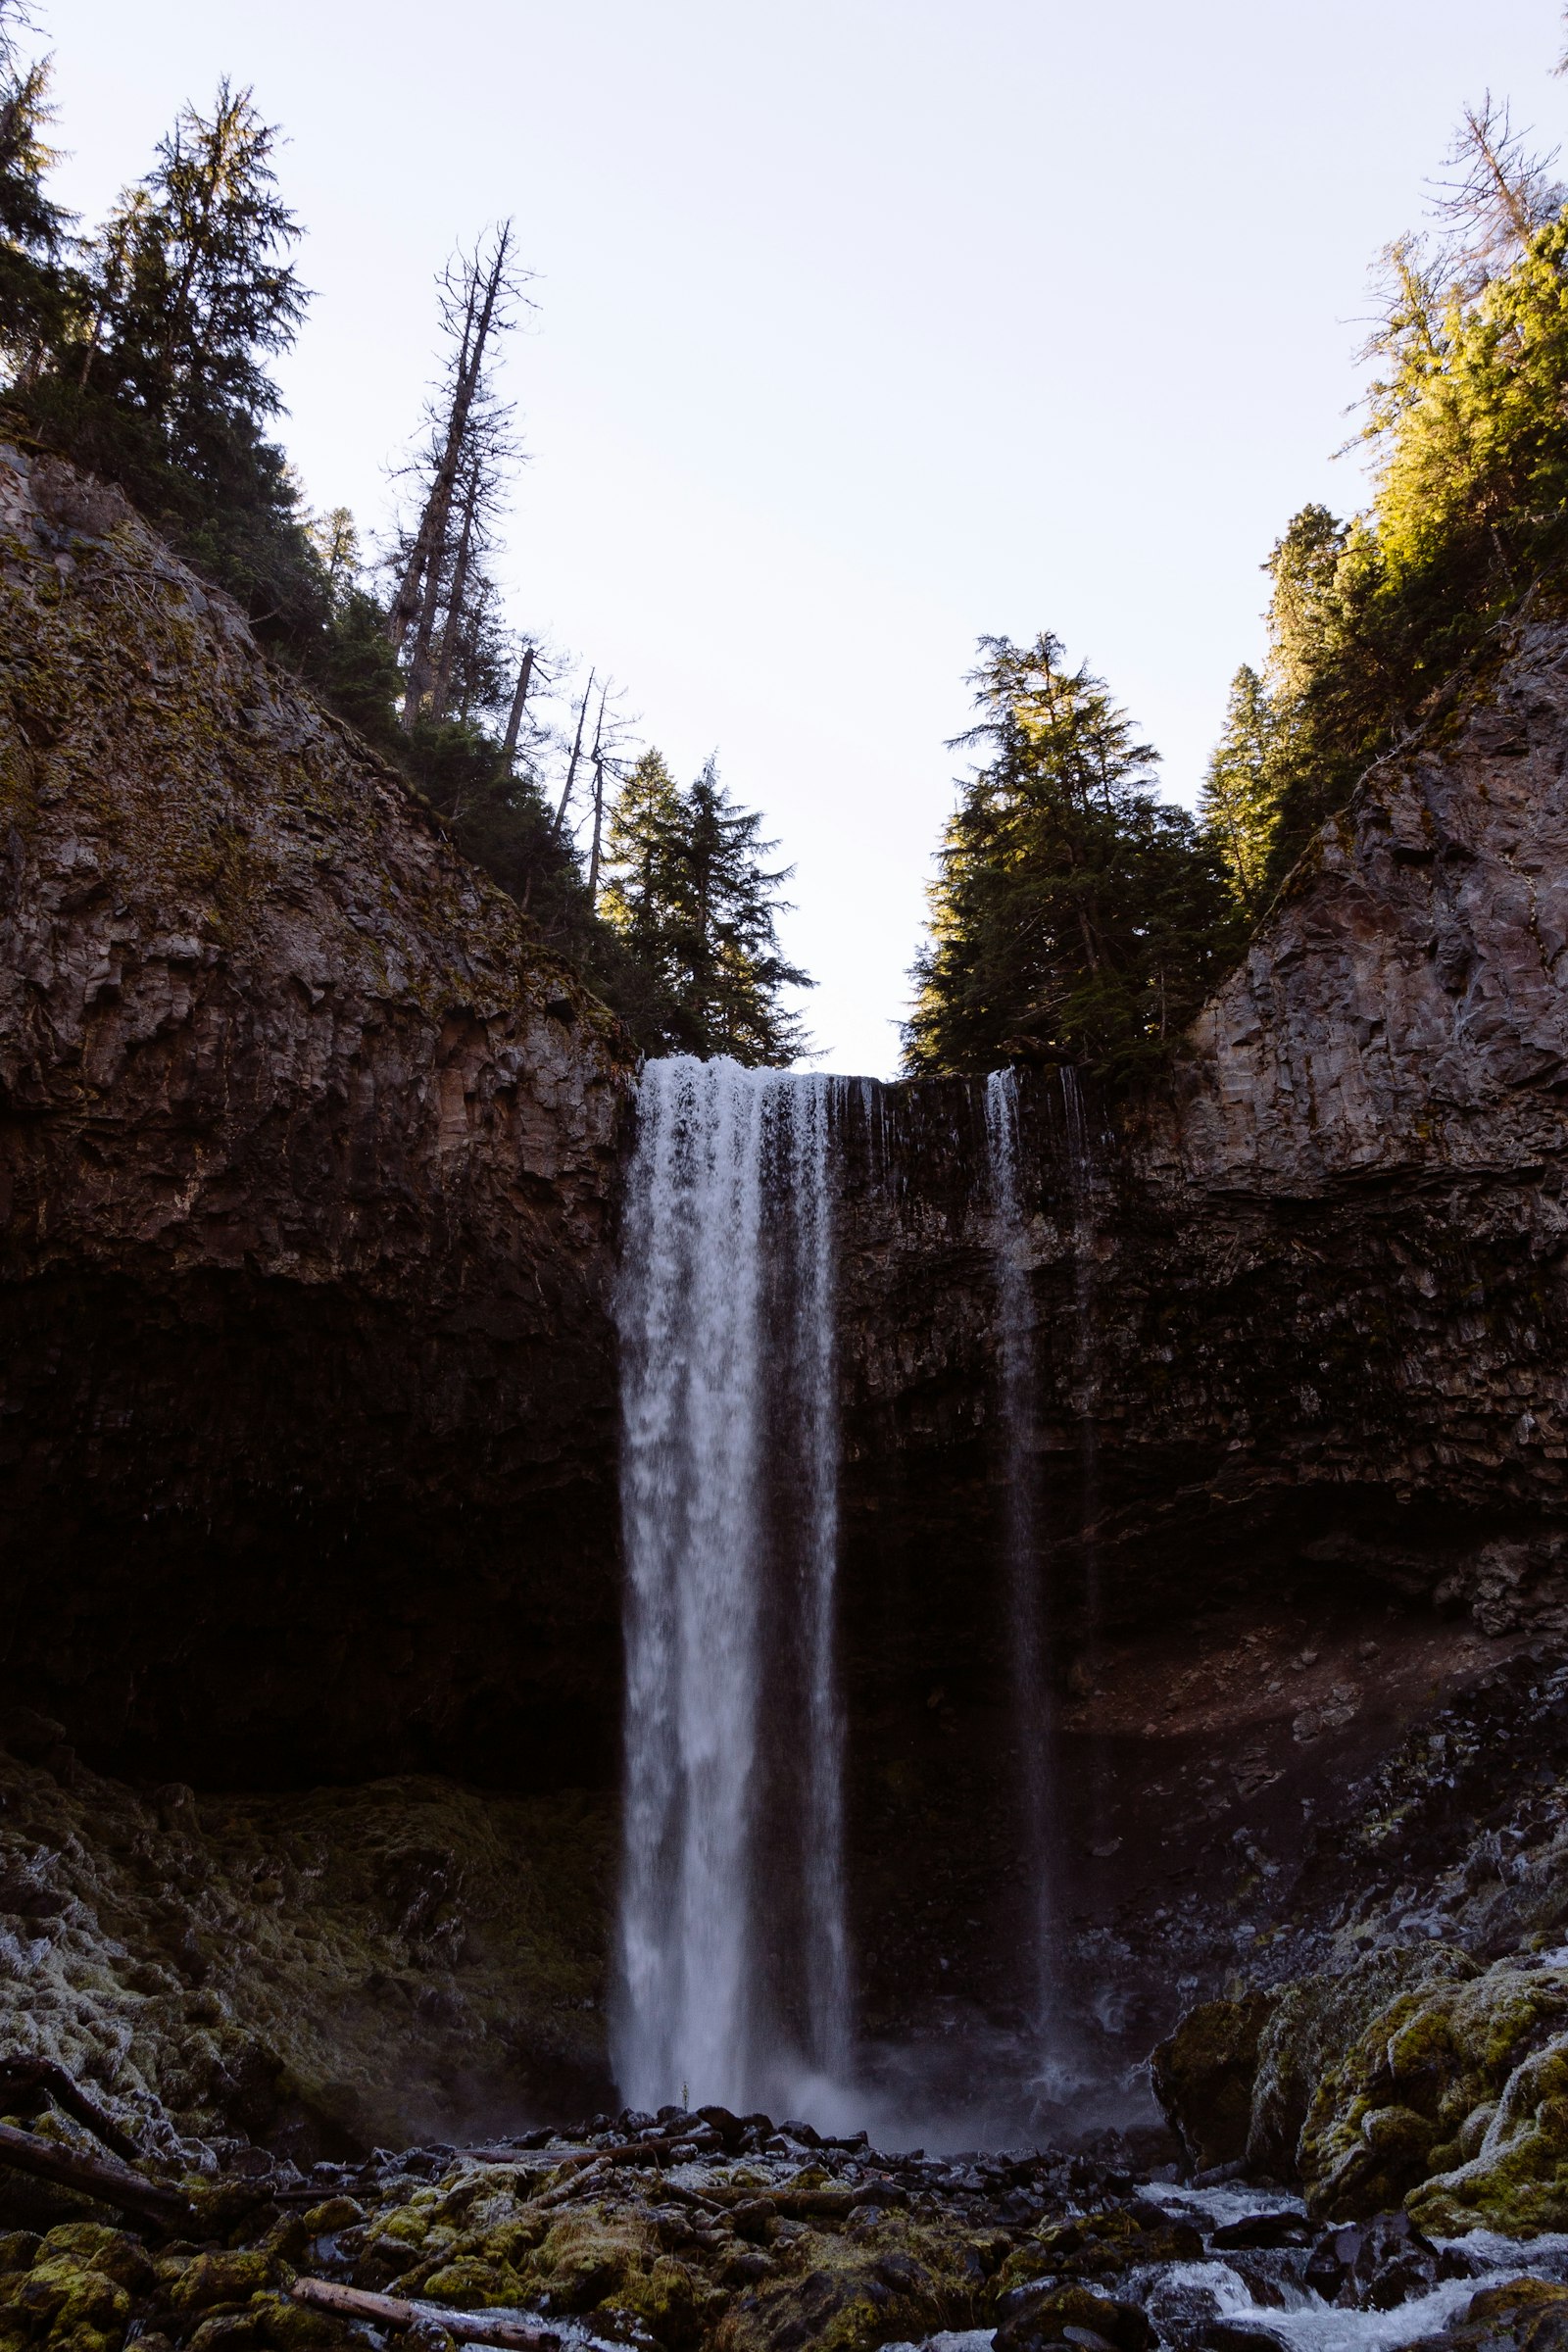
{"points": [[1303, 1342], [307, 1163]]}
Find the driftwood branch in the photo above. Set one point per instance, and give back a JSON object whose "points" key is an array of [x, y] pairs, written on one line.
{"points": [[24, 2077], [391, 2311], [94, 2175]]}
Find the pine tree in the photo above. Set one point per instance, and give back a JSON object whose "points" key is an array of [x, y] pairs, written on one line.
{"points": [[1240, 801], [37, 289], [692, 899], [195, 290], [350, 660], [1074, 916]]}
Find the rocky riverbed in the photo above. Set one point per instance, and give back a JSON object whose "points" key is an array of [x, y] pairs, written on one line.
{"points": [[687, 2230]]}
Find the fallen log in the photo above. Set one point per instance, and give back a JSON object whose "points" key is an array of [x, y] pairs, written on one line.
{"points": [[391, 2311], [26, 2077], [97, 2177]]}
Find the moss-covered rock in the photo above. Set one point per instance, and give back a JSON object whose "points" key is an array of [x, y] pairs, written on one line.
{"points": [[213, 2279], [322, 1968], [1412, 2079], [1102, 2245], [1312, 2022], [1203, 2077], [1530, 2315], [1059, 2310], [1390, 2119]]}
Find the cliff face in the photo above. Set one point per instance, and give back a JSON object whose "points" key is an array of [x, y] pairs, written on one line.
{"points": [[1329, 1251], [307, 1168], [309, 1160], [1302, 1332]]}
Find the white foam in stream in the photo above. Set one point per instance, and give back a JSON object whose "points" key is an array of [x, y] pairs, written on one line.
{"points": [[1306, 2323]]}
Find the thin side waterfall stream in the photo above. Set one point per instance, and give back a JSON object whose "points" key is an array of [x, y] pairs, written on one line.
{"points": [[734, 1971]]}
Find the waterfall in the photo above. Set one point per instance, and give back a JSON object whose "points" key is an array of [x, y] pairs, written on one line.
{"points": [[1020, 1534], [734, 1967]]}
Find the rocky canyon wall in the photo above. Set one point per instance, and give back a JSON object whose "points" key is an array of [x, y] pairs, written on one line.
{"points": [[309, 1160], [307, 1157], [1303, 1342]]}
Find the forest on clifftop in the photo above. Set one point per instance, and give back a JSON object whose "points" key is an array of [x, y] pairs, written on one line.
{"points": [[1076, 916]]}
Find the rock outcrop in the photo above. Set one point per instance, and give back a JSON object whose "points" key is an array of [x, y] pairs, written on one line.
{"points": [[307, 1160], [1302, 1368], [309, 1168], [320, 1970]]}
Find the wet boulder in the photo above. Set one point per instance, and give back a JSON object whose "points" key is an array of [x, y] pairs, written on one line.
{"points": [[1375, 2265], [1529, 2315], [1203, 2077], [1454, 2101], [1074, 2314]]}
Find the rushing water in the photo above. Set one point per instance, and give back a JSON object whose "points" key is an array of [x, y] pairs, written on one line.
{"points": [[733, 1953]]}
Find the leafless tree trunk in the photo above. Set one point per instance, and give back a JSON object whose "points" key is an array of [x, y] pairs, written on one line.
{"points": [[485, 287], [576, 755], [599, 799], [440, 689], [508, 745]]}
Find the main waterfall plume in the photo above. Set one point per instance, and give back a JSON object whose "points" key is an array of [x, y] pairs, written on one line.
{"points": [[733, 1948]]}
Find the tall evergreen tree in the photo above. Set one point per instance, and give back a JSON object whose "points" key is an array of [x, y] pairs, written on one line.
{"points": [[38, 288], [1466, 419], [158, 377], [1238, 803], [1074, 917], [692, 899], [196, 290]]}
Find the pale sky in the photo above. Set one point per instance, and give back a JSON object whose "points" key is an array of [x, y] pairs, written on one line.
{"points": [[862, 328]]}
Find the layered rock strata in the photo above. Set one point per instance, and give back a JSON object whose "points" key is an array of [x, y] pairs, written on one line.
{"points": [[1302, 1345], [306, 1169], [309, 1159]]}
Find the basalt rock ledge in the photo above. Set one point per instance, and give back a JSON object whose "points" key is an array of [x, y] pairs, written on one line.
{"points": [[310, 1162], [308, 1156], [1301, 1325]]}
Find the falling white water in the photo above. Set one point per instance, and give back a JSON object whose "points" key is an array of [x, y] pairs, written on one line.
{"points": [[733, 1951], [1015, 1386]]}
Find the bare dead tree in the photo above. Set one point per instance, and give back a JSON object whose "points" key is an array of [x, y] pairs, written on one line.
{"points": [[609, 760], [1501, 196], [520, 700], [479, 295], [596, 758], [576, 755], [462, 590]]}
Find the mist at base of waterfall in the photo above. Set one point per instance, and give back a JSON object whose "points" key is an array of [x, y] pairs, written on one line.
{"points": [[973, 2084]]}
